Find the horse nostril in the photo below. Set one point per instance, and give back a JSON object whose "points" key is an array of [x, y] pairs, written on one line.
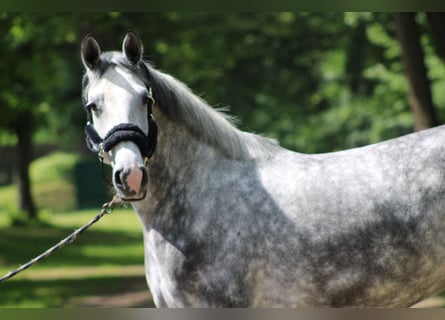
{"points": [[144, 176], [118, 179], [131, 181]]}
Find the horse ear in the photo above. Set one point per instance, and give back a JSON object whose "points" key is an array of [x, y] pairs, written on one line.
{"points": [[132, 47], [90, 52]]}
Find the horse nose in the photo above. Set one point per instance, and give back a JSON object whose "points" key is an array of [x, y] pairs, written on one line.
{"points": [[130, 181]]}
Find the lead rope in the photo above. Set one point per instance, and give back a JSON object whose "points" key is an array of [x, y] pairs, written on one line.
{"points": [[107, 208]]}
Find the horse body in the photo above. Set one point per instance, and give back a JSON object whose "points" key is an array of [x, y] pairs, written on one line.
{"points": [[232, 219], [362, 227]]}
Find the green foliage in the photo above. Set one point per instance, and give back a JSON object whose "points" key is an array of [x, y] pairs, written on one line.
{"points": [[8, 200], [36, 72], [297, 77], [53, 188], [58, 166], [315, 81], [52, 178], [7, 139]]}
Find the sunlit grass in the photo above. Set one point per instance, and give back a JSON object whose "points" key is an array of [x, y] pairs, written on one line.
{"points": [[106, 259], [103, 260]]}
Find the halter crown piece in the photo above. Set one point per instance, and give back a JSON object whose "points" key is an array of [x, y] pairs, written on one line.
{"points": [[123, 132]]}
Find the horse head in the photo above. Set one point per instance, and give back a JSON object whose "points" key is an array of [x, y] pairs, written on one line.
{"points": [[118, 103]]}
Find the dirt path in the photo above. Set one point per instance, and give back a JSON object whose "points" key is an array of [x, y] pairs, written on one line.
{"points": [[137, 295]]}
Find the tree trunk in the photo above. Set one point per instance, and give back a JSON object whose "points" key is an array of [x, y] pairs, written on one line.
{"points": [[419, 88], [437, 23], [24, 157]]}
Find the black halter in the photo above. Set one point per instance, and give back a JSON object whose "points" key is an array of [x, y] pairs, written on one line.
{"points": [[123, 132]]}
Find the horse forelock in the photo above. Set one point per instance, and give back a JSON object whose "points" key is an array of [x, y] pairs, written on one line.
{"points": [[107, 60], [182, 106]]}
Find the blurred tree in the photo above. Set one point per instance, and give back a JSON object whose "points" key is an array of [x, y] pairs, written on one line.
{"points": [[32, 77], [419, 92], [315, 81], [437, 23]]}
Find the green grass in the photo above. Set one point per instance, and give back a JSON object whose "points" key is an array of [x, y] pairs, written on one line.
{"points": [[105, 260]]}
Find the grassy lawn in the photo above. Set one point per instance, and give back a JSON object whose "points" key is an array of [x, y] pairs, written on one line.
{"points": [[106, 260]]}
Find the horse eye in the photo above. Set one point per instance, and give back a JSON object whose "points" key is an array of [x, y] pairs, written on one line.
{"points": [[91, 107], [146, 100]]}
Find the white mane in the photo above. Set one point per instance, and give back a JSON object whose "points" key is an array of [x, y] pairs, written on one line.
{"points": [[215, 127]]}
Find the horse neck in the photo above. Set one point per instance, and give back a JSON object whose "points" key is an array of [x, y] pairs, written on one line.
{"points": [[177, 152], [177, 103]]}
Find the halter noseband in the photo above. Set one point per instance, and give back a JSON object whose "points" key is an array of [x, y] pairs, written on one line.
{"points": [[123, 132]]}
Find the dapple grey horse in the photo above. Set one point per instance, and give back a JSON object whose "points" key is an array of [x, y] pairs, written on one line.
{"points": [[231, 219]]}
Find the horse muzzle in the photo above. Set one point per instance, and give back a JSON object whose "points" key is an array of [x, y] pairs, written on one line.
{"points": [[131, 183]]}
